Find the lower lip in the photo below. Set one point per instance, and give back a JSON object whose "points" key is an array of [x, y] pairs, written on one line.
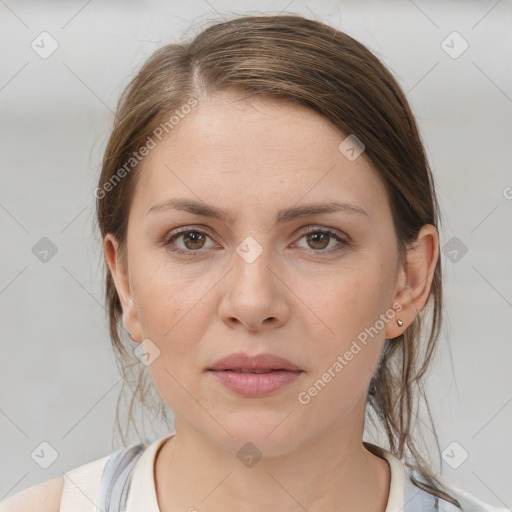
{"points": [[255, 384]]}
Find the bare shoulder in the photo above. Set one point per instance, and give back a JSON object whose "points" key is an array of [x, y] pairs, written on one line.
{"points": [[44, 497]]}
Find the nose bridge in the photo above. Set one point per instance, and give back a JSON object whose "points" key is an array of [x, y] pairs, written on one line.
{"points": [[252, 295], [252, 259]]}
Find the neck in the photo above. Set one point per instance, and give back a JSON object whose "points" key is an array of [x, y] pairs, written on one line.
{"points": [[334, 472]]}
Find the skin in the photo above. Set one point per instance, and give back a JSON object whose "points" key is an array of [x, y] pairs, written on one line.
{"points": [[256, 157]]}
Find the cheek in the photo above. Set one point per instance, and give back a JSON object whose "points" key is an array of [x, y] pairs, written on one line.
{"points": [[344, 301], [345, 350], [175, 315], [170, 302]]}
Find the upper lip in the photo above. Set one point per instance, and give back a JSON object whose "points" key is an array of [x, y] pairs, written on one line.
{"points": [[242, 361]]}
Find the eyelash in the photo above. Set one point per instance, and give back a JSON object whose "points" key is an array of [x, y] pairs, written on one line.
{"points": [[334, 234]]}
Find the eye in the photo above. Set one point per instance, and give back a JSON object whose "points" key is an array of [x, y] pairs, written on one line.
{"points": [[193, 240], [319, 239]]}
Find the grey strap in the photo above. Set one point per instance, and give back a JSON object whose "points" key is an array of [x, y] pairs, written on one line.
{"points": [[116, 478], [416, 499]]}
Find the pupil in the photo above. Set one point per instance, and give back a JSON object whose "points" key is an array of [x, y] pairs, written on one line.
{"points": [[319, 237], [194, 236]]}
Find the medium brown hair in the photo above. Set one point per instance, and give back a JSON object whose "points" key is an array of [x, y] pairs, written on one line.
{"points": [[310, 63]]}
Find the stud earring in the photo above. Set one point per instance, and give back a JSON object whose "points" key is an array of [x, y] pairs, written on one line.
{"points": [[399, 322]]}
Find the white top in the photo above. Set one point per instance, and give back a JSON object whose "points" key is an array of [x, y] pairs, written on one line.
{"points": [[82, 487]]}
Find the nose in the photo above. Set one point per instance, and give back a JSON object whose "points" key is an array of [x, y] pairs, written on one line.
{"points": [[255, 296]]}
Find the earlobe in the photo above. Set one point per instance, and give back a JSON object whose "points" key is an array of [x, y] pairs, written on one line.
{"points": [[415, 279]]}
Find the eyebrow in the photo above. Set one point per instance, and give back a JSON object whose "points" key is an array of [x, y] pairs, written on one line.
{"points": [[284, 215]]}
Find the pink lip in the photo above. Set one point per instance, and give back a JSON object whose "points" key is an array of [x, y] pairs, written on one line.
{"points": [[242, 361], [227, 370], [255, 384]]}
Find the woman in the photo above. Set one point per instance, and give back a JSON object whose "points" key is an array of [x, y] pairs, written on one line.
{"points": [[269, 222]]}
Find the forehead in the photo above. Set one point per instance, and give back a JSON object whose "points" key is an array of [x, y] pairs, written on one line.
{"points": [[257, 151]]}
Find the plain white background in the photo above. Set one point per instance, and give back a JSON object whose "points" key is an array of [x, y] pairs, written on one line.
{"points": [[59, 380]]}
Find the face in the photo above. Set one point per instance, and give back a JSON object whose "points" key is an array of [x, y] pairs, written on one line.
{"points": [[304, 288]]}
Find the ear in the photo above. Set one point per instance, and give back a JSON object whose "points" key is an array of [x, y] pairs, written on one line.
{"points": [[415, 279], [118, 266]]}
